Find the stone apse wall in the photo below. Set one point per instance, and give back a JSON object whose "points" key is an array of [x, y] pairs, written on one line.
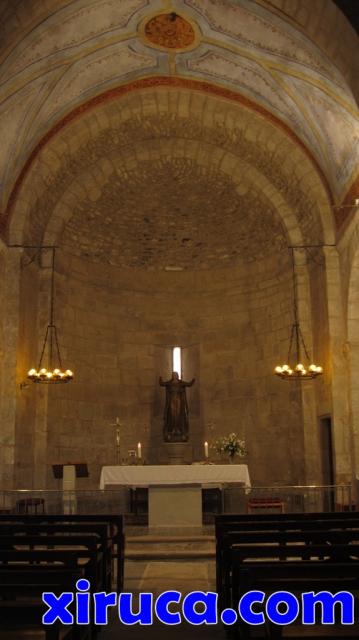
{"points": [[116, 330]]}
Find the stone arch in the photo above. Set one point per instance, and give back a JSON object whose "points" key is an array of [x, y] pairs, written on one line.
{"points": [[244, 177], [234, 127]]}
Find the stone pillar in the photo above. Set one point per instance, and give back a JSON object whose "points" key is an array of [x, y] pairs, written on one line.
{"points": [[312, 469], [352, 351], [9, 287], [41, 463], [342, 433]]}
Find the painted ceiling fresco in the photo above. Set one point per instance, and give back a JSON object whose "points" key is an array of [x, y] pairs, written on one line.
{"points": [[81, 48]]}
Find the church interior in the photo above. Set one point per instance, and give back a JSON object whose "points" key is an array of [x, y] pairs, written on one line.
{"points": [[179, 282]]}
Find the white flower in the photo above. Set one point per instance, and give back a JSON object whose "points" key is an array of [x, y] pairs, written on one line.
{"points": [[231, 444]]}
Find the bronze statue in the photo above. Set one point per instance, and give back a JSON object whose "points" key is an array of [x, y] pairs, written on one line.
{"points": [[176, 409]]}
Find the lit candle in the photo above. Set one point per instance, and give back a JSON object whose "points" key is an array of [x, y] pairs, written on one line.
{"points": [[139, 451], [117, 420], [118, 437], [206, 449]]}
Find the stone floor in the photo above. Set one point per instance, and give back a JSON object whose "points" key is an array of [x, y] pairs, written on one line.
{"points": [[171, 560], [168, 562], [162, 632]]}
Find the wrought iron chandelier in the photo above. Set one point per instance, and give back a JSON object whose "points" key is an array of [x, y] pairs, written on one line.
{"points": [[52, 374], [296, 367]]}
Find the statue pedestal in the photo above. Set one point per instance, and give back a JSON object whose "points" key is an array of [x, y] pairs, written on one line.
{"points": [[177, 452]]}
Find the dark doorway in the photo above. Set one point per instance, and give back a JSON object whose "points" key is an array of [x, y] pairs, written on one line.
{"points": [[326, 449]]}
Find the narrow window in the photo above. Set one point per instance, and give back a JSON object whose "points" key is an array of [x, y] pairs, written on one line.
{"points": [[176, 360]]}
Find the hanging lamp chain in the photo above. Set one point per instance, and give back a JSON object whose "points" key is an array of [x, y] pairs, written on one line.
{"points": [[296, 332], [42, 375], [52, 326], [295, 328], [51, 330], [52, 287], [299, 371], [52, 307]]}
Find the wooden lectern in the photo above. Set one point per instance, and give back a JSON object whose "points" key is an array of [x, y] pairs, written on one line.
{"points": [[68, 473]]}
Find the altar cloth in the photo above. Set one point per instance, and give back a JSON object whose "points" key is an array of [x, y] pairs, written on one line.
{"points": [[149, 475]]}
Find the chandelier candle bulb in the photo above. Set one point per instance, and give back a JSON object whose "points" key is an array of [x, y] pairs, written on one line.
{"points": [[118, 437], [206, 449], [139, 451]]}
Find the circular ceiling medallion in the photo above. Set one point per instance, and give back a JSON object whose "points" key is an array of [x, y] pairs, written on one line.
{"points": [[170, 31]]}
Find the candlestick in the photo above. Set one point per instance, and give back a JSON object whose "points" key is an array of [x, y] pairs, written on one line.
{"points": [[206, 449], [139, 451], [118, 426]]}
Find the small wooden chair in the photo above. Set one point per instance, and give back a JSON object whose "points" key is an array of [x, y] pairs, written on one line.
{"points": [[265, 503], [30, 505]]}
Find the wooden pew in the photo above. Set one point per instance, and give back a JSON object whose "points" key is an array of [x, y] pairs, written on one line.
{"points": [[87, 549], [97, 536], [232, 528], [281, 544], [90, 544], [244, 554], [84, 523], [286, 525], [105, 532], [29, 557], [295, 577], [315, 515], [21, 605]]}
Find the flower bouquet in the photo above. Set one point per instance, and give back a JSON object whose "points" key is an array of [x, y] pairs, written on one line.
{"points": [[232, 445]]}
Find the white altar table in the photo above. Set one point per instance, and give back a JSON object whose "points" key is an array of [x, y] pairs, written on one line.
{"points": [[150, 475], [174, 491]]}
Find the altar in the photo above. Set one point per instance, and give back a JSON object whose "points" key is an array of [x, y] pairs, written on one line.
{"points": [[174, 492], [150, 475]]}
